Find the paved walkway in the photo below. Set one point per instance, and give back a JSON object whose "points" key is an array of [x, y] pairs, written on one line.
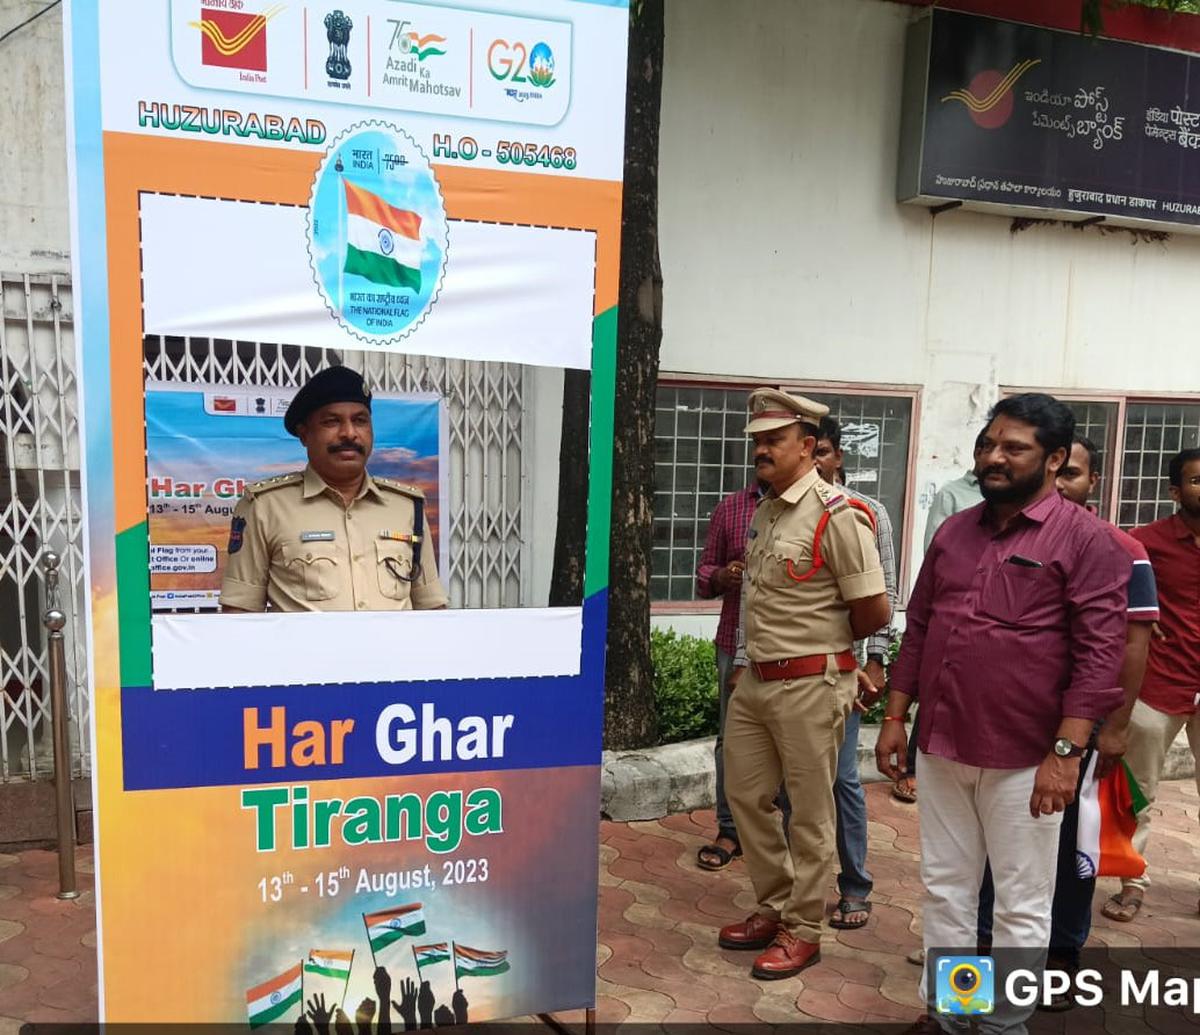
{"points": [[659, 915]]}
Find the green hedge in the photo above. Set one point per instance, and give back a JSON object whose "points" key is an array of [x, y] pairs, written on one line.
{"points": [[685, 685]]}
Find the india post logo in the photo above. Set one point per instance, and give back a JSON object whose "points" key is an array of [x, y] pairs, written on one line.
{"points": [[988, 97], [232, 39], [966, 985]]}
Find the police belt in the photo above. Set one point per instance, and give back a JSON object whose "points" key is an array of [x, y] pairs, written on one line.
{"points": [[797, 668]]}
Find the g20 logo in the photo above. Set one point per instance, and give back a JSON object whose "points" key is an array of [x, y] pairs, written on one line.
{"points": [[516, 63]]}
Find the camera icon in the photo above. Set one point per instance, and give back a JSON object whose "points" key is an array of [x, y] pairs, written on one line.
{"points": [[965, 985]]}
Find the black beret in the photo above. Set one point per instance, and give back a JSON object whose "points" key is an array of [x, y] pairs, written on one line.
{"points": [[332, 385]]}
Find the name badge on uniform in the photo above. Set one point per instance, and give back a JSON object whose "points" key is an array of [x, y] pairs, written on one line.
{"points": [[317, 537], [398, 537]]}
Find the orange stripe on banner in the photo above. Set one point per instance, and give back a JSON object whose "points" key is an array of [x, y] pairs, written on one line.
{"points": [[134, 163], [267, 987], [388, 914], [370, 206]]}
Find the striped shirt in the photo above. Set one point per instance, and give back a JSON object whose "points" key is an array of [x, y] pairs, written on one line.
{"points": [[879, 642]]}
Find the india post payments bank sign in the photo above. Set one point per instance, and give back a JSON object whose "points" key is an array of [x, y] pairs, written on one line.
{"points": [[343, 803]]}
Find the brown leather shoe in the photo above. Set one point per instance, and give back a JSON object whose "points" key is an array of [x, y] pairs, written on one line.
{"points": [[755, 932], [787, 956]]}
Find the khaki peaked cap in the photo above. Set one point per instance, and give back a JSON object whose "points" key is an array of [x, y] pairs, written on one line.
{"points": [[770, 409]]}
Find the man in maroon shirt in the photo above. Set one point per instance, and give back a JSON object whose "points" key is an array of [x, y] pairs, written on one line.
{"points": [[1014, 640], [719, 574], [1172, 684]]}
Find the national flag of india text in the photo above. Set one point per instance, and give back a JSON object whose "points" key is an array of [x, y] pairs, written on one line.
{"points": [[273, 999], [330, 963], [383, 243], [470, 962], [390, 925], [426, 955]]}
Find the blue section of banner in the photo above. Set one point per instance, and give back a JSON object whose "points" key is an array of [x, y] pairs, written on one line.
{"points": [[196, 738]]}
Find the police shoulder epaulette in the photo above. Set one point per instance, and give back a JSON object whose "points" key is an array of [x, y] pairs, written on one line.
{"points": [[833, 498], [401, 487], [278, 482]]}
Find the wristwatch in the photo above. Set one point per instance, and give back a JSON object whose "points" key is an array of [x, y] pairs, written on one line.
{"points": [[1066, 748]]}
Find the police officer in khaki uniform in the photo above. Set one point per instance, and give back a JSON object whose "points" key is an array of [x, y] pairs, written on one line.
{"points": [[813, 585], [331, 537]]}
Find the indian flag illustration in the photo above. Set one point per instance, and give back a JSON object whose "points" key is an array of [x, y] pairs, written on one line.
{"points": [[272, 999], [427, 955], [390, 925], [1108, 812], [330, 963], [470, 962], [383, 243]]}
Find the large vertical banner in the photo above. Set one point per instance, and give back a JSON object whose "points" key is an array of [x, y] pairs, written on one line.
{"points": [[388, 812]]}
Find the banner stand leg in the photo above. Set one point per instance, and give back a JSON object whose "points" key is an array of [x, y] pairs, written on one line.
{"points": [[552, 1022]]}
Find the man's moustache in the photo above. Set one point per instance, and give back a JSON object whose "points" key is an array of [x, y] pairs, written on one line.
{"points": [[341, 447]]}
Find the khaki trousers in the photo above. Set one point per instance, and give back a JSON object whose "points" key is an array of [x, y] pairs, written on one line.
{"points": [[1151, 734], [787, 731]]}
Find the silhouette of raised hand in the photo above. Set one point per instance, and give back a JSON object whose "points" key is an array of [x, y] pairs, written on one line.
{"points": [[407, 1007], [425, 1004], [364, 1015], [319, 1014], [444, 1017], [341, 1023], [383, 984], [459, 1002]]}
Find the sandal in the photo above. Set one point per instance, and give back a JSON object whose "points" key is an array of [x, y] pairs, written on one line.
{"points": [[716, 857], [905, 789], [851, 905], [1123, 906]]}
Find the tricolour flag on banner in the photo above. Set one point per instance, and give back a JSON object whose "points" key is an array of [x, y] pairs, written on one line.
{"points": [[427, 955], [1108, 811], [383, 243], [390, 925], [330, 963], [272, 999], [470, 962]]}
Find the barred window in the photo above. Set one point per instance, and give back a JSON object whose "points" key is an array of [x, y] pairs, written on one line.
{"points": [[1136, 438], [702, 454], [1154, 432]]}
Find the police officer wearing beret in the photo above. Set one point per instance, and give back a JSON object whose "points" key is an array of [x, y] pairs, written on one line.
{"points": [[813, 584], [331, 537]]}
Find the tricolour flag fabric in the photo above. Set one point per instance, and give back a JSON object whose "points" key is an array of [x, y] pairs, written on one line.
{"points": [[1108, 812], [470, 962], [383, 243], [330, 963], [427, 955], [273, 999], [390, 925]]}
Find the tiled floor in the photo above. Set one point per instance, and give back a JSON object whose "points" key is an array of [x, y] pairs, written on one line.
{"points": [[659, 915]]}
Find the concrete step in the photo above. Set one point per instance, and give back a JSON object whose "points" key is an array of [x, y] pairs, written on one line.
{"points": [[650, 783]]}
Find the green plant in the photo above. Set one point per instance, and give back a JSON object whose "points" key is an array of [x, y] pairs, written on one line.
{"points": [[685, 685], [873, 716]]}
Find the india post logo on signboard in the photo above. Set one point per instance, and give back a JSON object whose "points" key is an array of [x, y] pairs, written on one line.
{"points": [[233, 39], [988, 98]]}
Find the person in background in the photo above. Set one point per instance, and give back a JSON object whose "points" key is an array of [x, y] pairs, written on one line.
{"points": [[1171, 689], [719, 574], [956, 495], [854, 880]]}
